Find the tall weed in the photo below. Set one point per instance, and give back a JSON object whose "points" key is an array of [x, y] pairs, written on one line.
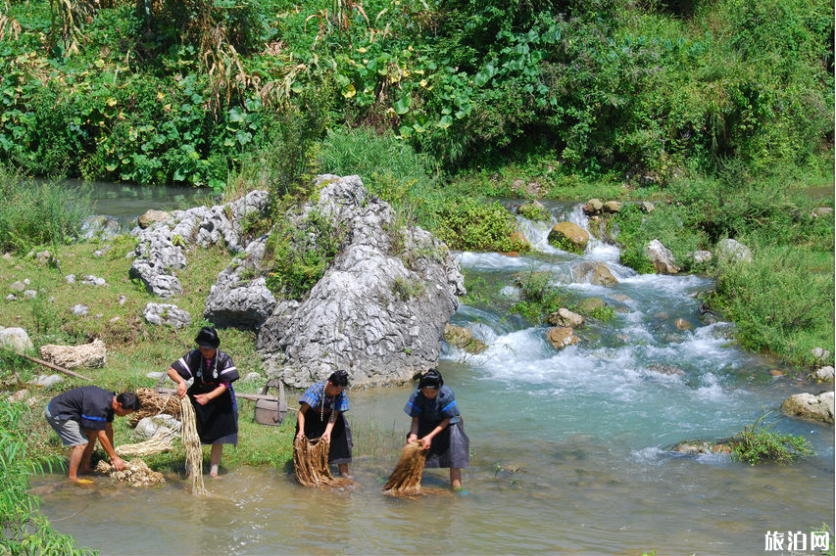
{"points": [[39, 213], [390, 168], [23, 530], [783, 302]]}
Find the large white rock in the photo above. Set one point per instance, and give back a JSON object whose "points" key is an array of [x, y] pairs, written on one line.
{"points": [[15, 339], [377, 314], [810, 407]]}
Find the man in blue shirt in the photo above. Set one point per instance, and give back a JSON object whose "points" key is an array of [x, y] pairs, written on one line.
{"points": [[82, 416]]}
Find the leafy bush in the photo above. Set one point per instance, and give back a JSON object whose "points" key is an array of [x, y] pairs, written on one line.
{"points": [[471, 224], [758, 444], [536, 212], [301, 254], [539, 297]]}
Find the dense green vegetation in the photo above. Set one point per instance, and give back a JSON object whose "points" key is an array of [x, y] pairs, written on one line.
{"points": [[759, 444], [180, 93], [24, 530]]}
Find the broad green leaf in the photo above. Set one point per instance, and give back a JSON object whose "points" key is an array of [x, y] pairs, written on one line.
{"points": [[402, 105]]}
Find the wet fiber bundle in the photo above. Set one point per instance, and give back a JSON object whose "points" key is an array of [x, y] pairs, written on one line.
{"points": [[136, 473], [406, 478], [194, 453], [310, 462], [153, 403]]}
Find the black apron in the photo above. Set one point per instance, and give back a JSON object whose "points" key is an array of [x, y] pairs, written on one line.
{"points": [[341, 443], [217, 421]]}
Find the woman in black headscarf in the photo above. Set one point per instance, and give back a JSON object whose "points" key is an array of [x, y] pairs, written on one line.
{"points": [[211, 394], [437, 425]]}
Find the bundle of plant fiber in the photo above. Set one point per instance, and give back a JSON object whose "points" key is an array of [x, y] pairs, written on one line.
{"points": [[153, 403], [162, 441], [194, 453], [310, 462], [406, 478], [136, 473]]}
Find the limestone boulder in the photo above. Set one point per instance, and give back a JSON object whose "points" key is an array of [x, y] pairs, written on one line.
{"points": [[594, 272], [240, 298], [160, 247], [662, 258], [824, 374], [160, 314], [100, 227], [566, 318], [698, 447], [462, 338], [701, 256], [810, 407], [377, 312], [732, 251], [151, 216], [15, 339], [593, 206], [613, 207], [561, 337]]}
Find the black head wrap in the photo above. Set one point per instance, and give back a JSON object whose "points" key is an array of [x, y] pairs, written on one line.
{"points": [[431, 379], [208, 338], [339, 378]]}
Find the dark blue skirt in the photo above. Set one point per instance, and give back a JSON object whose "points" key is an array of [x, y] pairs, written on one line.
{"points": [[450, 447]]}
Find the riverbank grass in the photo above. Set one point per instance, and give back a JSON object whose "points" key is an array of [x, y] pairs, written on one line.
{"points": [[759, 444], [23, 529]]}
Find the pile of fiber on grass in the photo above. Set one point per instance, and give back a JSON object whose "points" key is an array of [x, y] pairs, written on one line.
{"points": [[153, 403], [136, 473], [162, 441], [194, 452], [310, 462], [406, 478]]}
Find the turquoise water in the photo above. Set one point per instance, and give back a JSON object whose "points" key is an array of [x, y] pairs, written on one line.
{"points": [[569, 449]]}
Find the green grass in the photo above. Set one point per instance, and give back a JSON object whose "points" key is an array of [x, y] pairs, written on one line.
{"points": [[23, 530], [782, 302], [38, 213], [758, 444], [135, 348]]}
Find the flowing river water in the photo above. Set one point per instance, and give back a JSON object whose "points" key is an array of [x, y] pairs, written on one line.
{"points": [[569, 449]]}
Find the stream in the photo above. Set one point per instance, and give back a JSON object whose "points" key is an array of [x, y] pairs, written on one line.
{"points": [[569, 449]]}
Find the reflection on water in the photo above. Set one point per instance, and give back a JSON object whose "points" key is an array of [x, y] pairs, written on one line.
{"points": [[125, 202], [570, 449]]}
